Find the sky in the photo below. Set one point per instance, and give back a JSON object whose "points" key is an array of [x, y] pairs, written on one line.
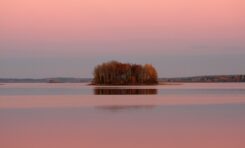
{"points": [[67, 38]]}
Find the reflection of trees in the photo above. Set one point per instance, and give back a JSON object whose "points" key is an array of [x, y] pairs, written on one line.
{"points": [[116, 73], [115, 108], [106, 91]]}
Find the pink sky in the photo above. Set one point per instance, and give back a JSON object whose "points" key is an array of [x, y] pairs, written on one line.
{"points": [[68, 28]]}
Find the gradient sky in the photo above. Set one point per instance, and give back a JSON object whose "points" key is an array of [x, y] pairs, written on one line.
{"points": [[48, 38]]}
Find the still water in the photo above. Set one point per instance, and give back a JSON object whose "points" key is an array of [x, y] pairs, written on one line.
{"points": [[187, 115]]}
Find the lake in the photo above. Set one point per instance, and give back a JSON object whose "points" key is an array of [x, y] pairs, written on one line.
{"points": [[176, 115]]}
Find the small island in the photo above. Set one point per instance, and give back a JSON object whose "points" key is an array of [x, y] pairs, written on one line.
{"points": [[117, 73]]}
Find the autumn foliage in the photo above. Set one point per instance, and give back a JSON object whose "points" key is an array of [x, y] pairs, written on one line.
{"points": [[116, 73]]}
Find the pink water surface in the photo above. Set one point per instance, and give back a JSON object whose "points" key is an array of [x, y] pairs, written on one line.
{"points": [[111, 121]]}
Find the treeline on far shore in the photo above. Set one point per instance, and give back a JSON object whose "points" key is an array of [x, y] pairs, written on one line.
{"points": [[46, 80], [214, 78]]}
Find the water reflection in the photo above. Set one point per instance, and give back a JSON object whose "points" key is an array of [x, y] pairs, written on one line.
{"points": [[116, 108], [109, 91]]}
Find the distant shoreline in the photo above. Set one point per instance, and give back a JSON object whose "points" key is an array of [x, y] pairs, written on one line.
{"points": [[162, 81], [206, 79]]}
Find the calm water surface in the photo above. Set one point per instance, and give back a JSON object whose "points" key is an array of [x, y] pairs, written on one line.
{"points": [[85, 89], [197, 115]]}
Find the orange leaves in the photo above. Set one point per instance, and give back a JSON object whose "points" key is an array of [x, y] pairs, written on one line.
{"points": [[116, 73]]}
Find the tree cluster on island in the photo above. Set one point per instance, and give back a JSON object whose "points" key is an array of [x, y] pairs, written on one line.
{"points": [[117, 73]]}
